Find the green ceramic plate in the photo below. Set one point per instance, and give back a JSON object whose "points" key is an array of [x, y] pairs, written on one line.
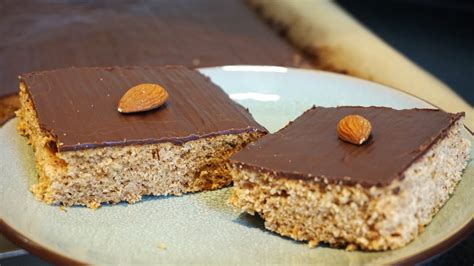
{"points": [[202, 228]]}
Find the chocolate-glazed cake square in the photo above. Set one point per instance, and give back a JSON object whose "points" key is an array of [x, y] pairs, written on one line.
{"points": [[88, 153], [308, 184]]}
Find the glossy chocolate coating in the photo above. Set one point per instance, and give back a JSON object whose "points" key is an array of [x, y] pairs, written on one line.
{"points": [[309, 147], [78, 106]]}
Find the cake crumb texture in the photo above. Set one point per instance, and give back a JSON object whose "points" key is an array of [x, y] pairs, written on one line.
{"points": [[90, 177], [367, 218]]}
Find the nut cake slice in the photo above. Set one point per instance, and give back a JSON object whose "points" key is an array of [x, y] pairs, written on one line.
{"points": [[88, 153], [308, 184]]}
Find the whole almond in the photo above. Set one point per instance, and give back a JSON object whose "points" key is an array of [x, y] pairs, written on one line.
{"points": [[354, 129], [142, 97]]}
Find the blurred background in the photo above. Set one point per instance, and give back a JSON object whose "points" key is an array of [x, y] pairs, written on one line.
{"points": [[437, 35]]}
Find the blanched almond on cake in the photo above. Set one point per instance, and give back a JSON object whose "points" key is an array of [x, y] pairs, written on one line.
{"points": [[354, 129], [142, 97]]}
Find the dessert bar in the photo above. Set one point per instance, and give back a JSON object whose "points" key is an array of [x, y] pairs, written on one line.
{"points": [[88, 153], [309, 184]]}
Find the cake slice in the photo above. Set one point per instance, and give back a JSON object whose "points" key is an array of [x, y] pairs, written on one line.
{"points": [[88, 153], [310, 185]]}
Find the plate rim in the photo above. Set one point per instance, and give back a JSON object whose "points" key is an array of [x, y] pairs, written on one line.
{"points": [[246, 68], [35, 248], [434, 251]]}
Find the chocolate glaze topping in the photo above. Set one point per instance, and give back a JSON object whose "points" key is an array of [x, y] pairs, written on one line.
{"points": [[79, 107], [309, 147], [45, 35]]}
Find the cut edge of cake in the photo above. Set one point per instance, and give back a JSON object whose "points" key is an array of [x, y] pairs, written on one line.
{"points": [[82, 177], [355, 216]]}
